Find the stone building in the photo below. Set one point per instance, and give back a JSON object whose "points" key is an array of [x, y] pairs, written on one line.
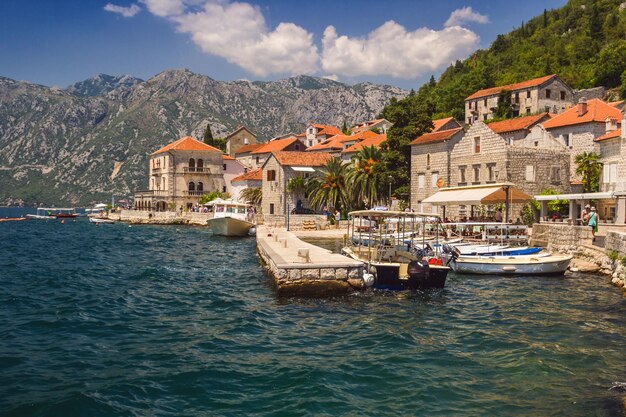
{"points": [[336, 144], [278, 169], [250, 179], [240, 137], [578, 127], [232, 169], [260, 154], [316, 133], [517, 131], [546, 94], [244, 155], [445, 124], [179, 174], [381, 124]]}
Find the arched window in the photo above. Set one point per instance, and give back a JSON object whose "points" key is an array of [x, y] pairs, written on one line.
{"points": [[199, 164], [428, 160], [200, 187], [192, 164], [192, 186]]}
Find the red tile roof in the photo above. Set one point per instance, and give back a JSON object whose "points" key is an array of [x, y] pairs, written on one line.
{"points": [[438, 136], [249, 148], [336, 142], [327, 129], [597, 112], [438, 123], [370, 141], [616, 103], [511, 87], [518, 123], [187, 144], [313, 159], [276, 145], [228, 157], [254, 175], [610, 135]]}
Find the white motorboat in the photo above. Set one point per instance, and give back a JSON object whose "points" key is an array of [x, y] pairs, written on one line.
{"points": [[230, 218], [98, 220], [536, 264]]}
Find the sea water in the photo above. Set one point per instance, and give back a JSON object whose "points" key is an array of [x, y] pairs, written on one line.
{"points": [[112, 320]]}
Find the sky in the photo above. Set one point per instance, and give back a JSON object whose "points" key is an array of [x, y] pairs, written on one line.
{"points": [[397, 42]]}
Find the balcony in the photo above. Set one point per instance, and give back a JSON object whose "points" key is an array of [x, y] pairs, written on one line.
{"points": [[187, 170], [154, 193], [193, 193]]}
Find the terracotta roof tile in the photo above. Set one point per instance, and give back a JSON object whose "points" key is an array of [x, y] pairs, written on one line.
{"points": [[276, 145], [327, 129], [438, 123], [617, 104], [249, 148], [376, 141], [438, 136], [597, 111], [254, 175], [187, 144], [610, 135], [518, 123], [228, 157], [314, 159], [511, 87], [336, 142]]}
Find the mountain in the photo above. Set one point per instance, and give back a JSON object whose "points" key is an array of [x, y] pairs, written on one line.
{"points": [[77, 146], [101, 84], [584, 42]]}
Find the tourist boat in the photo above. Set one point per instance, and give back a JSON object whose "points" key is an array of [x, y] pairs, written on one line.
{"points": [[65, 213], [536, 264], [230, 218], [43, 213], [393, 262]]}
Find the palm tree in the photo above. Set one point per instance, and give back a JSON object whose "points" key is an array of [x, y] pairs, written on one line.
{"points": [[252, 195], [363, 177], [589, 167], [329, 189], [296, 185]]}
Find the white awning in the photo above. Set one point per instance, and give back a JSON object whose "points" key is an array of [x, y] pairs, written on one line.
{"points": [[477, 195], [303, 169], [579, 196]]}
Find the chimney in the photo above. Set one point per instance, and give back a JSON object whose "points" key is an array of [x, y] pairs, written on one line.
{"points": [[582, 106], [611, 124]]}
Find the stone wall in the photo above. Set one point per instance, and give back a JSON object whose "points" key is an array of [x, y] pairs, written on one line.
{"points": [[616, 241], [582, 140], [162, 217], [561, 237], [297, 221]]}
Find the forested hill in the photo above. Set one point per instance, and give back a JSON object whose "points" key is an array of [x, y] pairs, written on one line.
{"points": [[584, 42]]}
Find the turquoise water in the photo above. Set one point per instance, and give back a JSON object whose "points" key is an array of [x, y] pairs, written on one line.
{"points": [[114, 320]]}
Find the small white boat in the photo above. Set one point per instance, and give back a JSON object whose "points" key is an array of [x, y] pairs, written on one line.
{"points": [[537, 264], [98, 220], [43, 213], [230, 218]]}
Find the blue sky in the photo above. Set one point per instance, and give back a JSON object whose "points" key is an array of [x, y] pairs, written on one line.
{"points": [[399, 42]]}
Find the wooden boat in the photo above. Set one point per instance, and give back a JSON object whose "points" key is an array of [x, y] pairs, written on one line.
{"points": [[537, 264], [393, 262], [14, 219], [230, 218]]}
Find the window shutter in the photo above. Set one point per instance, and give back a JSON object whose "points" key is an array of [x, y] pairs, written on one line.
{"points": [[605, 174], [613, 173]]}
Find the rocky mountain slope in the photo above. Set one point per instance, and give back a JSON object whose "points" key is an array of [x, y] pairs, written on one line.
{"points": [[83, 144]]}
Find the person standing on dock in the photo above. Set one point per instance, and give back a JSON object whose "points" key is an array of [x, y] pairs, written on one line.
{"points": [[593, 223], [337, 218]]}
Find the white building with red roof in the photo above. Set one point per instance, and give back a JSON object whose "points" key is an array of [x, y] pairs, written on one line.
{"points": [[382, 125], [316, 133]]}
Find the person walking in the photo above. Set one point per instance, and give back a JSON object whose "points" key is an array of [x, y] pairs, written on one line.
{"points": [[593, 223], [337, 218]]}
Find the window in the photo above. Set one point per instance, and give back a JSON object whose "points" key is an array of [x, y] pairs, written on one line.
{"points": [[433, 179], [224, 189], [528, 94], [492, 172], [485, 102], [528, 111], [271, 208], [462, 174], [297, 147], [555, 176], [469, 105], [485, 116], [530, 173], [224, 166], [570, 139], [517, 98], [420, 181], [271, 175], [192, 164], [536, 143], [200, 187], [477, 144], [609, 173], [548, 93], [257, 160], [246, 141], [427, 161], [476, 169], [192, 186], [546, 109], [562, 95]]}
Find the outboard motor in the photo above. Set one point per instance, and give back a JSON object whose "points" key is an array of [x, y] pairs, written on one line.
{"points": [[419, 272], [450, 253]]}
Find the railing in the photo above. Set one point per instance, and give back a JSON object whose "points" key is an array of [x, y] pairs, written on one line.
{"points": [[194, 193], [156, 171], [153, 192], [197, 170]]}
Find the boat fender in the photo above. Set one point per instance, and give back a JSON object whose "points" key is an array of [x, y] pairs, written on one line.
{"points": [[368, 279]]}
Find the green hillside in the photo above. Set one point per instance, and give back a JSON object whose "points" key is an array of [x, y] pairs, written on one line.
{"points": [[584, 42]]}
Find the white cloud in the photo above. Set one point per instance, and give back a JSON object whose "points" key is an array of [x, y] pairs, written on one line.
{"points": [[392, 50], [464, 15], [164, 8], [124, 11]]}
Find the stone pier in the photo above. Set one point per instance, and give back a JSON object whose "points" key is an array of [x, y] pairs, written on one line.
{"points": [[302, 269]]}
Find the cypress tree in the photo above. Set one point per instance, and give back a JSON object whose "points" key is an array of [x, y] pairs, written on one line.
{"points": [[208, 136]]}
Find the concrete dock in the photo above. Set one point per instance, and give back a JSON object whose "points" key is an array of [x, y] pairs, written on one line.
{"points": [[302, 269]]}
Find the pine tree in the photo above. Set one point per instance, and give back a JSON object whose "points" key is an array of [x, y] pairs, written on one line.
{"points": [[208, 136]]}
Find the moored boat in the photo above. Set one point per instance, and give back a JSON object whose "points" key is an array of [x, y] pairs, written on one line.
{"points": [[43, 213], [98, 220], [230, 218], [393, 262]]}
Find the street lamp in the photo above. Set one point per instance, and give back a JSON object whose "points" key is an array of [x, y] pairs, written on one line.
{"points": [[390, 179]]}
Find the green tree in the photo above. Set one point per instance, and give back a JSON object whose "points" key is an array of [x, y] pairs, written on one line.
{"points": [[219, 143], [330, 189], [504, 109], [208, 136], [252, 195], [345, 129], [375, 130], [560, 207], [297, 186], [364, 177], [589, 167], [213, 195]]}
